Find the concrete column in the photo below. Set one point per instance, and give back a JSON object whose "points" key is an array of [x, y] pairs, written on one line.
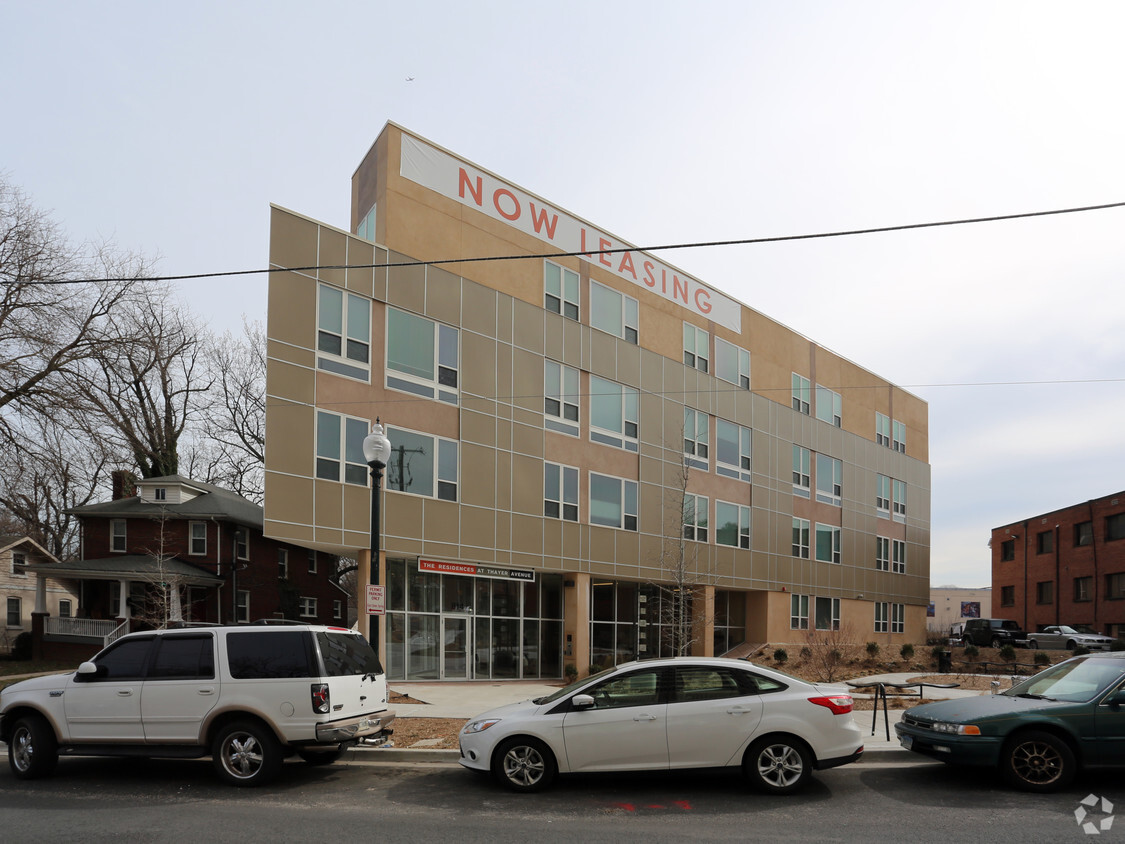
{"points": [[123, 598], [576, 622], [40, 593], [703, 622]]}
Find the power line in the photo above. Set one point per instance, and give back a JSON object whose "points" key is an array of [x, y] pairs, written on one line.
{"points": [[664, 247]]}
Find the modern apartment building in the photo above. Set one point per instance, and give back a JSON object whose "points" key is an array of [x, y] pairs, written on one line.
{"points": [[1063, 567], [595, 456]]}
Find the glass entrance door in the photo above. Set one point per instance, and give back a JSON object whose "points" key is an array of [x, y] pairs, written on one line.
{"points": [[456, 635]]}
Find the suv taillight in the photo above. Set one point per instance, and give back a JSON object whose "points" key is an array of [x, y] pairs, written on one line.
{"points": [[320, 699]]}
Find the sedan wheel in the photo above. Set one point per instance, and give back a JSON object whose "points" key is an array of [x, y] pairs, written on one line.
{"points": [[246, 754], [777, 765], [32, 749], [1033, 645], [524, 764], [1038, 761]]}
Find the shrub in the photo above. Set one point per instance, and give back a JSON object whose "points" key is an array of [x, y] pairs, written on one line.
{"points": [[1008, 653], [1041, 658], [1117, 645], [907, 651], [570, 672], [971, 651], [873, 650], [780, 655], [936, 652], [21, 647], [806, 652], [1079, 651]]}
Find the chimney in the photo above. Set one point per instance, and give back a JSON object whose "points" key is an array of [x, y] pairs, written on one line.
{"points": [[124, 484]]}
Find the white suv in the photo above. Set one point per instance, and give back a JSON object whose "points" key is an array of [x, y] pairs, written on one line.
{"points": [[247, 696]]}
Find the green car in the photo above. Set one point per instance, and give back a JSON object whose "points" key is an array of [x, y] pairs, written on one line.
{"points": [[1039, 733]]}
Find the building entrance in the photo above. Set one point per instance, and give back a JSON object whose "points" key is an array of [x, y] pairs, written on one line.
{"points": [[456, 648]]}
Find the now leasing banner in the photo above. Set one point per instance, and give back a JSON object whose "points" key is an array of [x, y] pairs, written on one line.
{"points": [[475, 570], [452, 178]]}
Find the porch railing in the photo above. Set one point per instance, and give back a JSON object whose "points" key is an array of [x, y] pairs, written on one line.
{"points": [[89, 628]]}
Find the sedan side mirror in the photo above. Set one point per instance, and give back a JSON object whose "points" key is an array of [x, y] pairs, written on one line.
{"points": [[1117, 698], [582, 701]]}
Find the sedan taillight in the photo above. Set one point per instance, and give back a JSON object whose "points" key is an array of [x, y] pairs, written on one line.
{"points": [[320, 699], [839, 704]]}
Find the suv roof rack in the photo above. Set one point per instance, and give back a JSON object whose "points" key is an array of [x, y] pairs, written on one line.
{"points": [[280, 621]]}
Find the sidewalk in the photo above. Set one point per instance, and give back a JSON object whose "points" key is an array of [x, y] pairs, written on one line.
{"points": [[465, 700]]}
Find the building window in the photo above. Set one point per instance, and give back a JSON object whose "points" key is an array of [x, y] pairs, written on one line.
{"points": [[882, 429], [1115, 527], [827, 543], [898, 618], [802, 393], [422, 356], [560, 290], [19, 564], [422, 465], [160, 494], [1115, 586], [283, 563], [1084, 533], [560, 397], [829, 406], [1045, 592], [65, 608], [242, 544], [1007, 550], [899, 443], [829, 479], [560, 492], [613, 312], [732, 450], [882, 553], [899, 494], [802, 463], [801, 538], [308, 607], [827, 613], [242, 607], [613, 502], [337, 609], [312, 561], [883, 496], [799, 612], [117, 536], [366, 227], [1045, 542], [898, 558], [1007, 596], [732, 363], [695, 517], [15, 613], [696, 428], [339, 447], [695, 347], [344, 333], [881, 623], [613, 414], [1083, 589], [732, 525], [197, 544]]}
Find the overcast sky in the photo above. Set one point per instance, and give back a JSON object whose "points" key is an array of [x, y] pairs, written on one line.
{"points": [[171, 127]]}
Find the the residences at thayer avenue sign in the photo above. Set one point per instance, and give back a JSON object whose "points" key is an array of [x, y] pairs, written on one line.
{"points": [[595, 456]]}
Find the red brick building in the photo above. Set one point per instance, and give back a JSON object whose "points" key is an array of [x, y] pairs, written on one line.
{"points": [[1063, 567], [171, 549]]}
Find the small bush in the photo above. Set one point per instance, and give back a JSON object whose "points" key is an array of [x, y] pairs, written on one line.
{"points": [[873, 650], [1008, 653], [1117, 645], [806, 652], [780, 655], [1079, 651], [570, 672], [971, 651], [21, 647], [1041, 658], [936, 652], [907, 651]]}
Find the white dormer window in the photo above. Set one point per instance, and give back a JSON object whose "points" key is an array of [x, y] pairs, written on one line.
{"points": [[160, 494]]}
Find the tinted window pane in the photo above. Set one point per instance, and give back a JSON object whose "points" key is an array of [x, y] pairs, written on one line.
{"points": [[346, 654], [255, 655], [125, 662], [184, 657]]}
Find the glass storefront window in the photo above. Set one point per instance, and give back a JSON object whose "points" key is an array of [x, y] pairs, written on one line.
{"points": [[505, 598], [422, 647], [457, 594]]}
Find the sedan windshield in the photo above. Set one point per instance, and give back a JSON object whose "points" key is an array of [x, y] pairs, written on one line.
{"points": [[1074, 680]]}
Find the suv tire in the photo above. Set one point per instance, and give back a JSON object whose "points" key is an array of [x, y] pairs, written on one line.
{"points": [[996, 643], [246, 754], [32, 749]]}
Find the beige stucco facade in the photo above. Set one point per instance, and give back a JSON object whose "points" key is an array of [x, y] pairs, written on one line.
{"points": [[494, 419]]}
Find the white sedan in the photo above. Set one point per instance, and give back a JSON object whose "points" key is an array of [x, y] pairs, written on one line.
{"points": [[663, 714]]}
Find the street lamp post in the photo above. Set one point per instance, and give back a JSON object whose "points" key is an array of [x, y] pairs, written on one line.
{"points": [[376, 451]]}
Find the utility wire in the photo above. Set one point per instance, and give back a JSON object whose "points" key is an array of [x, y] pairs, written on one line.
{"points": [[587, 253]]}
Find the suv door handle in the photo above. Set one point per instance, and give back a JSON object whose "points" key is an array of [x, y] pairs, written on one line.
{"points": [[124, 692]]}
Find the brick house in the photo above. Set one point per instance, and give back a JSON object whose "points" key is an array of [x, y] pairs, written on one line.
{"points": [[1063, 567], [171, 549]]}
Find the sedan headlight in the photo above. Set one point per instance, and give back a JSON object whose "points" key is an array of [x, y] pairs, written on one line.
{"points": [[955, 729], [479, 726]]}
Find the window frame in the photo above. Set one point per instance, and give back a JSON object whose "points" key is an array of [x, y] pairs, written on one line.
{"points": [[443, 382], [625, 402], [338, 445], [697, 448], [565, 500], [1045, 592], [898, 556], [741, 521], [835, 534], [882, 620], [17, 613], [306, 606], [898, 618], [727, 353], [1115, 527], [798, 612], [342, 362], [197, 545], [743, 444], [802, 537], [693, 335], [898, 500], [829, 491], [1083, 589], [118, 539], [882, 553], [628, 327], [833, 613], [560, 384], [883, 496], [829, 406], [696, 529], [562, 295], [801, 394], [802, 471], [242, 606], [439, 476], [18, 564], [627, 500], [282, 563]]}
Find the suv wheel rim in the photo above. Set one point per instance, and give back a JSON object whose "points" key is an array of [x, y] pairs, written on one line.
{"points": [[242, 755], [524, 765], [23, 751], [780, 765]]}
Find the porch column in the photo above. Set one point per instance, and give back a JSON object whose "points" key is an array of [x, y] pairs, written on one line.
{"points": [[123, 599], [40, 593]]}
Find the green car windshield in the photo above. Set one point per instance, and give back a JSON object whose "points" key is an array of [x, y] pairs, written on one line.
{"points": [[1074, 680]]}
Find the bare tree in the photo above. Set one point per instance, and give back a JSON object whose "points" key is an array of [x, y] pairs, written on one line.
{"points": [[51, 317], [163, 603], [830, 650]]}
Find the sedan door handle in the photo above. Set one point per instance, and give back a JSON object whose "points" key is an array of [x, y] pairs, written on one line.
{"points": [[739, 710], [644, 717], [124, 692]]}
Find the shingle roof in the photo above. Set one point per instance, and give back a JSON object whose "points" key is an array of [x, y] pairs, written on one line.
{"points": [[129, 566], [214, 502]]}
